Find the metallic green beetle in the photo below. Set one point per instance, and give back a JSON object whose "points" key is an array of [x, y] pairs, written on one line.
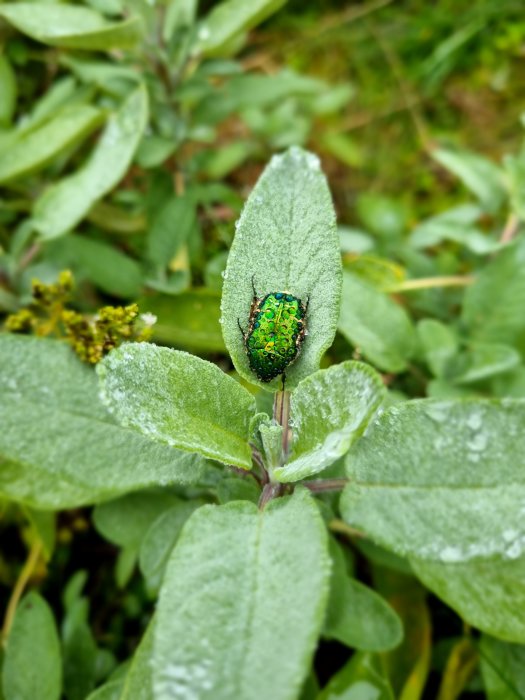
{"points": [[276, 330]]}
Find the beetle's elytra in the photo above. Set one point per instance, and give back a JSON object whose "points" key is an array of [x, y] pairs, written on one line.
{"points": [[276, 330]]}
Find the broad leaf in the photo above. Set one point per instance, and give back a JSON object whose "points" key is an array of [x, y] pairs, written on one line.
{"points": [[241, 587], [34, 149], [376, 325], [286, 239], [487, 593], [179, 399], [441, 480], [59, 448], [70, 26], [503, 669], [229, 18], [63, 205], [330, 409], [32, 666]]}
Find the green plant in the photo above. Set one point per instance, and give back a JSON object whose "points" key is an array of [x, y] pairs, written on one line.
{"points": [[220, 504]]}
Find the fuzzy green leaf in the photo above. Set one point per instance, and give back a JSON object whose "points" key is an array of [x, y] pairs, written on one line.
{"points": [[179, 399], [486, 593], [241, 587], [59, 448], [71, 27], [32, 666], [376, 325], [286, 240], [441, 480], [329, 411], [63, 205]]}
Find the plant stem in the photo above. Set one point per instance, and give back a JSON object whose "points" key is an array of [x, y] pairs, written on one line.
{"points": [[511, 229], [270, 490], [339, 526], [431, 282], [281, 413], [321, 485], [18, 590]]}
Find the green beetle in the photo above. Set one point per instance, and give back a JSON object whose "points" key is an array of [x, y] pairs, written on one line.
{"points": [[276, 330]]}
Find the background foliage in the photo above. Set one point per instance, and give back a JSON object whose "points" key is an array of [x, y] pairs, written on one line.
{"points": [[130, 136]]}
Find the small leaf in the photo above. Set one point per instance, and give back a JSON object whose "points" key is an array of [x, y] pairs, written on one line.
{"points": [[102, 264], [49, 405], [458, 225], [272, 443], [189, 320], [63, 205], [286, 240], [467, 586], [179, 399], [36, 148], [8, 91], [170, 229], [228, 19], [330, 409], [441, 480], [439, 344], [160, 538], [493, 305], [482, 177], [234, 598], [126, 520], [71, 27], [32, 666], [376, 325], [362, 678], [502, 668], [357, 616], [484, 360]]}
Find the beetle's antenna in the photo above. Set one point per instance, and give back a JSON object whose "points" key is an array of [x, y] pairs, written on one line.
{"points": [[241, 329], [253, 286]]}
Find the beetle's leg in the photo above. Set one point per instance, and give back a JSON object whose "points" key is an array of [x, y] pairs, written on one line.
{"points": [[283, 378], [307, 305]]}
